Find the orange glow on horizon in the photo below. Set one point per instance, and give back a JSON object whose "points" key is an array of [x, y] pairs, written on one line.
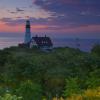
{"points": [[39, 26], [20, 28], [45, 28], [7, 28]]}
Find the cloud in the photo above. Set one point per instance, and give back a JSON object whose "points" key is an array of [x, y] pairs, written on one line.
{"points": [[12, 12], [55, 23], [6, 19], [48, 26], [72, 12], [21, 21], [12, 22], [69, 7], [19, 10]]}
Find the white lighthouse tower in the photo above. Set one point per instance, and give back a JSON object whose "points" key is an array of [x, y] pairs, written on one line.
{"points": [[27, 33]]}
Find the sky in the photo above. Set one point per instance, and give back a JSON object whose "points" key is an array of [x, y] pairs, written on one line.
{"points": [[56, 18]]}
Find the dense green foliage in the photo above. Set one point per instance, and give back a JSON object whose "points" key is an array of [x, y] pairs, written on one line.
{"points": [[10, 97], [96, 50], [31, 73], [30, 91], [71, 87]]}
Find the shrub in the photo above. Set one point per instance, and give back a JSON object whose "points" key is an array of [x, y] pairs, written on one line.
{"points": [[30, 91], [71, 87], [8, 96]]}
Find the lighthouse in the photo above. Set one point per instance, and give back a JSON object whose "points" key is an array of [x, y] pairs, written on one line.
{"points": [[27, 33], [44, 43]]}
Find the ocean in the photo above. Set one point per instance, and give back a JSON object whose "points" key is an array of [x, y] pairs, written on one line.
{"points": [[83, 44]]}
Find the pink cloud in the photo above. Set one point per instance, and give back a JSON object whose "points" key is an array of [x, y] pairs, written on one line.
{"points": [[7, 28], [48, 28]]}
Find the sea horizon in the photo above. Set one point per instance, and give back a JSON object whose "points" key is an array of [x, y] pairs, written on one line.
{"points": [[84, 44]]}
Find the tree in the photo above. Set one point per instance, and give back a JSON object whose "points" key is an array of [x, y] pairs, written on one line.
{"points": [[8, 96], [96, 50], [30, 91], [93, 80], [71, 87]]}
